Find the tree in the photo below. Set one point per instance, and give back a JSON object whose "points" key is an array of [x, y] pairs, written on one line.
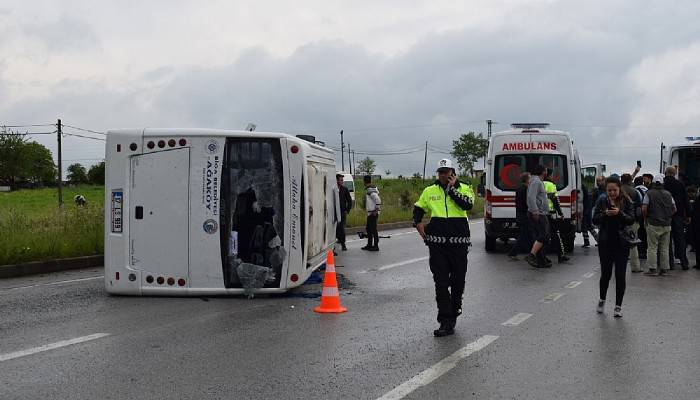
{"points": [[13, 164], [387, 172], [469, 148], [40, 167], [77, 174], [366, 166], [96, 174]]}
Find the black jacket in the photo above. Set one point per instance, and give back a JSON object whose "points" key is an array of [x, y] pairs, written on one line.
{"points": [[345, 200], [680, 196], [610, 227], [521, 201]]}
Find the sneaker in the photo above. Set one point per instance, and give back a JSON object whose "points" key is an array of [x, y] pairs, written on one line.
{"points": [[586, 244], [547, 263], [531, 259], [366, 247], [601, 305], [618, 312], [651, 272], [563, 259], [374, 248], [344, 247], [664, 272]]}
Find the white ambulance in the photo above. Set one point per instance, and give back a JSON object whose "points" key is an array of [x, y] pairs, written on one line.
{"points": [[518, 150]]}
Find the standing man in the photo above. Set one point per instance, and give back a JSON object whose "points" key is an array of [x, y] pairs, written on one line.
{"points": [[345, 207], [587, 219], [555, 216], [642, 188], [658, 208], [523, 243], [633, 194], [680, 218], [537, 210], [373, 205], [447, 236]]}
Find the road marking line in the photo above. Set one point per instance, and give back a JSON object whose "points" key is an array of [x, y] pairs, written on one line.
{"points": [[589, 275], [398, 264], [596, 268], [517, 319], [552, 297], [52, 283], [439, 369], [51, 346], [572, 284]]}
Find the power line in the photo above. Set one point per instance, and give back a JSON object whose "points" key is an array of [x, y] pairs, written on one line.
{"points": [[29, 133], [366, 129], [26, 126], [85, 130], [85, 137]]}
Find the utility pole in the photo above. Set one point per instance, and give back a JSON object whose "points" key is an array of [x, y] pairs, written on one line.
{"points": [[342, 152], [488, 135], [60, 166], [425, 158], [349, 160], [353, 162], [661, 158]]}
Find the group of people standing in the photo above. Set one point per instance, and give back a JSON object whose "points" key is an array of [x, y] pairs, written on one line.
{"points": [[631, 218]]}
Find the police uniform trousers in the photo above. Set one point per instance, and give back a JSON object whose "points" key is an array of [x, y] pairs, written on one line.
{"points": [[449, 267]]}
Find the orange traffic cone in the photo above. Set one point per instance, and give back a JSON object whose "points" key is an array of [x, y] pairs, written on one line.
{"points": [[330, 298]]}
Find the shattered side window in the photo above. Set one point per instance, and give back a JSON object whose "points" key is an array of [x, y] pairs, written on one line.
{"points": [[254, 220]]}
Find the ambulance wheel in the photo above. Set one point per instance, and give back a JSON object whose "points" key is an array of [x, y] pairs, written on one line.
{"points": [[490, 243]]}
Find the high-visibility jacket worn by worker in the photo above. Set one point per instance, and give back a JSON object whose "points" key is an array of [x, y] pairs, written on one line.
{"points": [[552, 197], [449, 222]]}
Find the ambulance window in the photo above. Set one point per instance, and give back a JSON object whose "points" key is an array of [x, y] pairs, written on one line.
{"points": [[508, 170], [557, 166]]}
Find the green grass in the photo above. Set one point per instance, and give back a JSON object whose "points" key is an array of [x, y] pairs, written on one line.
{"points": [[398, 197], [32, 228]]}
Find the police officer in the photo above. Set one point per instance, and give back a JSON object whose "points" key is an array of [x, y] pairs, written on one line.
{"points": [[555, 215], [447, 237]]}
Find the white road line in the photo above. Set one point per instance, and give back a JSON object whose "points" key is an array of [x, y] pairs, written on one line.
{"points": [[439, 369], [552, 297], [517, 319], [398, 264], [596, 268], [51, 346], [572, 284], [589, 275], [52, 283]]}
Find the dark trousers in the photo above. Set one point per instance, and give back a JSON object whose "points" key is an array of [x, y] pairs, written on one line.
{"points": [[642, 247], [372, 232], [677, 246], [449, 267], [340, 230], [613, 257], [556, 242], [523, 244]]}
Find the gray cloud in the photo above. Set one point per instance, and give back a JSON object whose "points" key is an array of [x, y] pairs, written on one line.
{"points": [[575, 65]]}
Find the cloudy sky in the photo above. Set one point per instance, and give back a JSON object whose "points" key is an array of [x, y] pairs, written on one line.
{"points": [[621, 75]]}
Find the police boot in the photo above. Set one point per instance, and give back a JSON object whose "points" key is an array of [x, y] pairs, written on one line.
{"points": [[446, 329], [586, 243]]}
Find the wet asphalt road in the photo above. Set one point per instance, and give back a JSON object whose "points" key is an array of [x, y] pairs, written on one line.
{"points": [[278, 348]]}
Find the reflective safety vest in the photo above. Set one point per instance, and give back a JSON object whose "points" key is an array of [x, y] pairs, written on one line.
{"points": [[435, 200], [550, 188], [449, 223]]}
